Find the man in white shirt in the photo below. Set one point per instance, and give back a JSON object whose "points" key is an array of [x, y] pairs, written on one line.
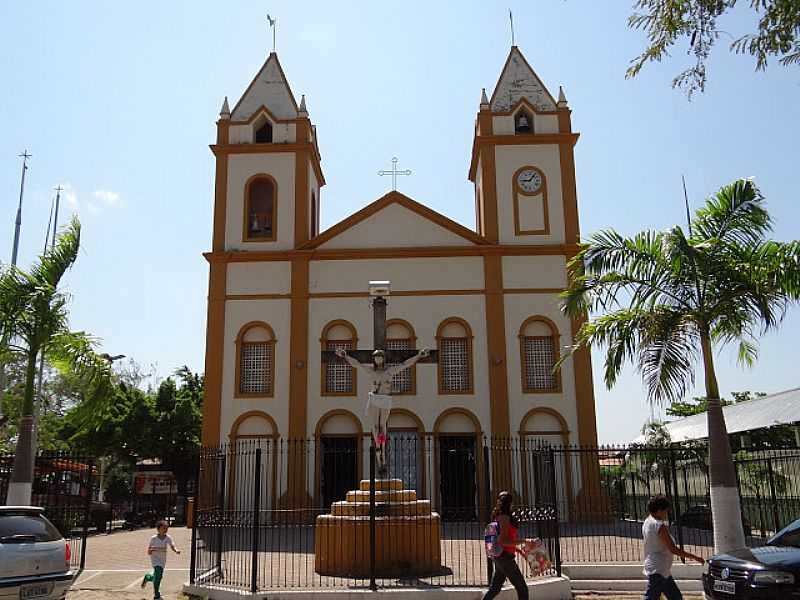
{"points": [[659, 550]]}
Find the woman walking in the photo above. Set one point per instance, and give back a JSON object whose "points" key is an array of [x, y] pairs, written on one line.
{"points": [[505, 567]]}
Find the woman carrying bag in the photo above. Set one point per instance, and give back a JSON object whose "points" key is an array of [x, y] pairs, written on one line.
{"points": [[501, 547]]}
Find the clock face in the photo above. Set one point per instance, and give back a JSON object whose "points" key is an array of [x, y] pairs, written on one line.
{"points": [[529, 181]]}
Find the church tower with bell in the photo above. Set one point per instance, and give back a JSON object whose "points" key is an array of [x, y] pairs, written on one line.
{"points": [[283, 295]]}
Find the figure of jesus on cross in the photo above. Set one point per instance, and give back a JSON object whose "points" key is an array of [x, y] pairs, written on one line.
{"points": [[381, 365]]}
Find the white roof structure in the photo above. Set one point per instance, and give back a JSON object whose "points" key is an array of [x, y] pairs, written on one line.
{"points": [[518, 80], [782, 408], [269, 89]]}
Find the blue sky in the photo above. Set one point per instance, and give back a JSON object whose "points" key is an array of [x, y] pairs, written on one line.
{"points": [[117, 102]]}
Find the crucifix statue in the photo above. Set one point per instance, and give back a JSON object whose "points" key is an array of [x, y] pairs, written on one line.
{"points": [[381, 365]]}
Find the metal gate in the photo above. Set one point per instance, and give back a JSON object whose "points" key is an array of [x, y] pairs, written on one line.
{"points": [[65, 486]]}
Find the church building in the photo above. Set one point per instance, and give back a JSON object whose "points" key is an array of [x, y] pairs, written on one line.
{"points": [[486, 298]]}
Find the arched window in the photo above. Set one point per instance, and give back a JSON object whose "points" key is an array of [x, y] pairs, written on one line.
{"points": [[454, 341], [538, 347], [264, 133], [523, 122], [260, 209], [338, 378], [400, 336], [255, 361]]}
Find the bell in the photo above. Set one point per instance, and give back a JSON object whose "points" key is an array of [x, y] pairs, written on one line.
{"points": [[523, 124]]}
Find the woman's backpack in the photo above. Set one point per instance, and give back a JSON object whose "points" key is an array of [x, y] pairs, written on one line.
{"points": [[491, 539]]}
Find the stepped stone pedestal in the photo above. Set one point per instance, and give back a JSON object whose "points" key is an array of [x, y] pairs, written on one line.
{"points": [[407, 534]]}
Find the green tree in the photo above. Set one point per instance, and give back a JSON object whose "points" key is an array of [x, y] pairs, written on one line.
{"points": [[668, 298], [698, 405], [667, 23], [33, 318]]}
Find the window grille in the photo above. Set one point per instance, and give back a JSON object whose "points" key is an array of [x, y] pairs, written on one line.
{"points": [[338, 374], [402, 382], [454, 365], [256, 368], [539, 353]]}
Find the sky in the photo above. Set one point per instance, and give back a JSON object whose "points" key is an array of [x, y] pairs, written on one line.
{"points": [[117, 103]]}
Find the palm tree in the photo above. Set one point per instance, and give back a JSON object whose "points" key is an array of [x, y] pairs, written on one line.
{"points": [[33, 317], [668, 298]]}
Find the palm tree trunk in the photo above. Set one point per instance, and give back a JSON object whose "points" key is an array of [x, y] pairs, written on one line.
{"points": [[726, 510], [21, 483]]}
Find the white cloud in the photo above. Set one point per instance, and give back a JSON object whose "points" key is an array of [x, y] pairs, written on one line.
{"points": [[69, 194], [107, 197]]}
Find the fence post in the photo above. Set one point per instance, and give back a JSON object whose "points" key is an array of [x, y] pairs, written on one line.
{"points": [[775, 519], [676, 503], [372, 585], [86, 513], [487, 508], [256, 525], [556, 524], [193, 549], [221, 521]]}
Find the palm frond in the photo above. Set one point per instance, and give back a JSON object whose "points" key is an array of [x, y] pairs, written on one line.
{"points": [[58, 259], [734, 215]]}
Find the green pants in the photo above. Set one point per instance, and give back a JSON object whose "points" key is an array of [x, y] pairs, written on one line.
{"points": [[155, 577]]}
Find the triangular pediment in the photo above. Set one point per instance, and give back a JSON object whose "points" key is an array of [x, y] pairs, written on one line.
{"points": [[395, 221], [268, 89], [519, 81]]}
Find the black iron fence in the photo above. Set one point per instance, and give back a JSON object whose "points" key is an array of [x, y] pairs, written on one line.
{"points": [[323, 513], [65, 485], [605, 504]]}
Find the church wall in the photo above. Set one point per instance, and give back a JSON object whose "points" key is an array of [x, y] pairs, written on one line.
{"points": [[259, 277], [424, 313], [404, 273], [534, 272], [242, 167], [276, 314], [518, 307], [510, 158], [403, 227]]}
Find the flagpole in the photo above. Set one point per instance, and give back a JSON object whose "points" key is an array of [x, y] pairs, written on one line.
{"points": [[18, 223]]}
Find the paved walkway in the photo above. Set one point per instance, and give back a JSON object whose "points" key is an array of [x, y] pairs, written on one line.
{"points": [[115, 564]]}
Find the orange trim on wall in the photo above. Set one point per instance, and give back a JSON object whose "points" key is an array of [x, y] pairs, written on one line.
{"points": [[246, 205], [569, 194], [528, 139], [237, 381], [323, 372], [567, 250], [301, 194], [215, 348], [518, 230], [584, 391], [298, 350], [496, 345]]}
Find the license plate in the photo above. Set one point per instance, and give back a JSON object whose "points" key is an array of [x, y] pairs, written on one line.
{"points": [[35, 590], [726, 587]]}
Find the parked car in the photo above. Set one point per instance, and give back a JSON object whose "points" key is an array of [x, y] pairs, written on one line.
{"points": [[769, 572], [699, 517], [34, 557]]}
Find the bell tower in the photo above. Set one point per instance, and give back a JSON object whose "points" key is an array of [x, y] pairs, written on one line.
{"points": [[522, 161], [268, 168]]}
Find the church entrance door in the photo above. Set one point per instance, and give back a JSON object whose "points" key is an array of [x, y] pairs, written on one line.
{"points": [[339, 472], [457, 477]]}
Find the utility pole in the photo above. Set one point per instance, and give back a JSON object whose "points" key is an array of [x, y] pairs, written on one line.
{"points": [[18, 223]]}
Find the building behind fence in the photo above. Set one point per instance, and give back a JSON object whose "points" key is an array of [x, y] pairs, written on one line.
{"points": [[259, 501]]}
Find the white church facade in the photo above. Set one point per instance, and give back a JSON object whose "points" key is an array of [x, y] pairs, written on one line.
{"points": [[280, 291]]}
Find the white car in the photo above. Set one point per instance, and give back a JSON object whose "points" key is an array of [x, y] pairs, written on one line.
{"points": [[34, 557]]}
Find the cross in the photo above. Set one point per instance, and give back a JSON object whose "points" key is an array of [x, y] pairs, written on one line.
{"points": [[394, 173], [394, 361]]}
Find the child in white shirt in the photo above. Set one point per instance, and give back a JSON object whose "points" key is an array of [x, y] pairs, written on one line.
{"points": [[157, 550]]}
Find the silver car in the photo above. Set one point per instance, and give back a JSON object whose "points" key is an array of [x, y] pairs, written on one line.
{"points": [[34, 557]]}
